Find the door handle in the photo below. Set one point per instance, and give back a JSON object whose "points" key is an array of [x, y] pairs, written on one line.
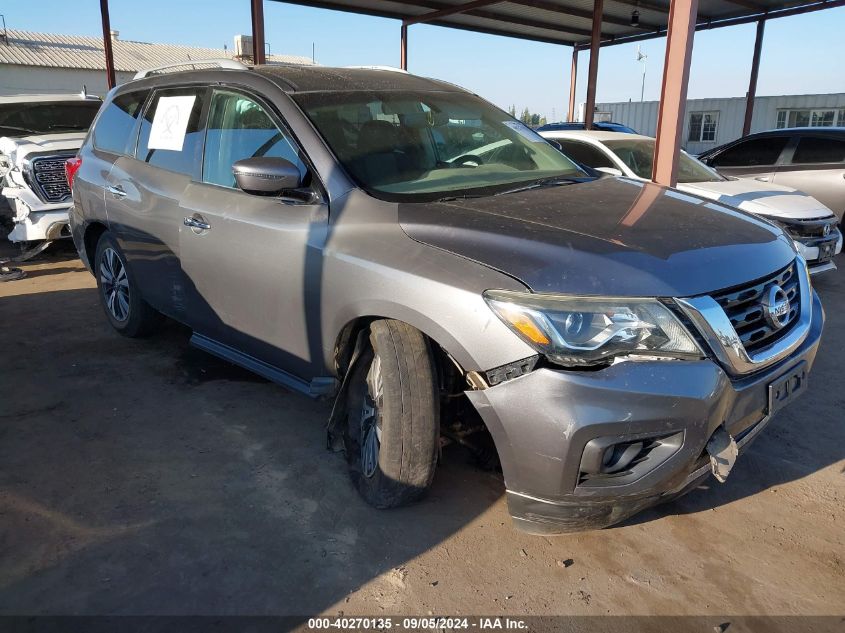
{"points": [[117, 191], [196, 223], [763, 178]]}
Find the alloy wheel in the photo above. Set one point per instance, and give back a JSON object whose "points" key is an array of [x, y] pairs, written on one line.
{"points": [[114, 284]]}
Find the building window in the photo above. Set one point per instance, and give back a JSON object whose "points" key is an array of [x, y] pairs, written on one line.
{"points": [[820, 117], [702, 127]]}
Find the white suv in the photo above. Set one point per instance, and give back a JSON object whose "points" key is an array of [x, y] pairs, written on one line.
{"points": [[38, 133]]}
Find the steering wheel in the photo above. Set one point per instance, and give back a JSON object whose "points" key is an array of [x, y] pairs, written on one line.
{"points": [[467, 160]]}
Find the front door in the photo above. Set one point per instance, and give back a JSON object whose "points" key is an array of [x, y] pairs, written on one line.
{"points": [[253, 263]]}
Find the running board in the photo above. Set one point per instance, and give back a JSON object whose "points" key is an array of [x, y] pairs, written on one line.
{"points": [[318, 387]]}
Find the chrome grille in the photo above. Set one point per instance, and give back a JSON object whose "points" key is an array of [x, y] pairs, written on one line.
{"points": [[744, 308], [49, 179]]}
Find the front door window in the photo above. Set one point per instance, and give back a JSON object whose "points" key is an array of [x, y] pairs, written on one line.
{"points": [[239, 128]]}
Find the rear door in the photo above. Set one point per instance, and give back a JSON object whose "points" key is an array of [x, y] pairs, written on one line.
{"points": [[113, 135], [143, 194], [816, 165], [755, 157], [255, 271]]}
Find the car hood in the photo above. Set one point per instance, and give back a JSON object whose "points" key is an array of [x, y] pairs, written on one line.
{"points": [[23, 145], [611, 236], [761, 197]]}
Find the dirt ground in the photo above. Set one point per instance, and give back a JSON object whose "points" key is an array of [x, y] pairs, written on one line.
{"points": [[145, 477]]}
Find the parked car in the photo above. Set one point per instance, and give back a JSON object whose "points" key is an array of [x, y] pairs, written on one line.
{"points": [[619, 340], [605, 126], [38, 133], [807, 221], [810, 159]]}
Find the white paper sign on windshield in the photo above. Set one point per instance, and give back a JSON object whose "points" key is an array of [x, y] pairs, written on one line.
{"points": [[170, 122]]}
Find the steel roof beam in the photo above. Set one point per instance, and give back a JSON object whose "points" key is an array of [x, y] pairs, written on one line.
{"points": [[442, 13], [717, 24], [580, 13]]}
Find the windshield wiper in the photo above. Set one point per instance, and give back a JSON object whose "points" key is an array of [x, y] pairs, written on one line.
{"points": [[59, 126], [543, 182], [461, 197], [19, 129]]}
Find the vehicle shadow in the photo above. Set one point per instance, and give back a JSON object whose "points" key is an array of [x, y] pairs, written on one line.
{"points": [[145, 477]]}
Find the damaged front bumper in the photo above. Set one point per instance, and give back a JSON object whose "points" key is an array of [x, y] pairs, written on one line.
{"points": [[35, 220], [819, 252], [554, 429]]}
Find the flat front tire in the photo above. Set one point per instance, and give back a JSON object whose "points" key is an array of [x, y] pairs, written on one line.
{"points": [[393, 424], [120, 296]]}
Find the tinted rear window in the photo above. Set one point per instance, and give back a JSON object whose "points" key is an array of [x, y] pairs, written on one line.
{"points": [[113, 132], [585, 154], [756, 151], [819, 150], [24, 119]]}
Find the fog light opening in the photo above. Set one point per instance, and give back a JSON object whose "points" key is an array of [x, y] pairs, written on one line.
{"points": [[620, 456], [609, 460]]}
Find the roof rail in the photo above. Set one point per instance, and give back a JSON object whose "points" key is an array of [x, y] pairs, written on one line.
{"points": [[220, 63], [391, 69]]}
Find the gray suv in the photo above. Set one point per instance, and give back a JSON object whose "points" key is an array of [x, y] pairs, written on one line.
{"points": [[436, 267]]}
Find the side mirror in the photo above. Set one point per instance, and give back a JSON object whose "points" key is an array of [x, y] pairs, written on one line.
{"points": [[265, 175], [612, 171]]}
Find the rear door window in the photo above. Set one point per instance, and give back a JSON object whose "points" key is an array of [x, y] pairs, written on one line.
{"points": [[114, 128], [753, 152], [171, 130], [238, 128], [814, 149], [585, 154]]}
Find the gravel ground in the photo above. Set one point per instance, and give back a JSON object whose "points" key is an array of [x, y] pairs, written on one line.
{"points": [[145, 477]]}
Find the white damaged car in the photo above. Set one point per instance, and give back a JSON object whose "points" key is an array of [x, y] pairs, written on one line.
{"points": [[38, 133], [810, 224]]}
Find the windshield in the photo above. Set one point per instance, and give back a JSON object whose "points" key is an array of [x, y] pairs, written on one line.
{"points": [[25, 119], [638, 154], [425, 145]]}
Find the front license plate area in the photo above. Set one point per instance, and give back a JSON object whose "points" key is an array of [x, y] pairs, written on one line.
{"points": [[826, 250], [788, 387]]}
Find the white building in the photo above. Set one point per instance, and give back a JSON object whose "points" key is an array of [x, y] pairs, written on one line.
{"points": [[712, 122], [32, 63]]}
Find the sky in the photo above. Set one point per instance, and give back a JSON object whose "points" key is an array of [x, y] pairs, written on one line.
{"points": [[801, 54]]}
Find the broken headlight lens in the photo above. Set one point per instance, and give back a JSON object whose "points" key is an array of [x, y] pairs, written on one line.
{"points": [[577, 331]]}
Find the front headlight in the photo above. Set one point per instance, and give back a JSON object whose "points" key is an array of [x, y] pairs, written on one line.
{"points": [[577, 331]]}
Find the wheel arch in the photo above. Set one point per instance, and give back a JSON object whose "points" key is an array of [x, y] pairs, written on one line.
{"points": [[90, 238], [344, 341]]}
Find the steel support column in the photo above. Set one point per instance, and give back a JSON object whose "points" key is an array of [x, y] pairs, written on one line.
{"points": [[593, 68], [673, 93], [752, 83], [403, 52], [258, 56], [573, 77], [107, 41]]}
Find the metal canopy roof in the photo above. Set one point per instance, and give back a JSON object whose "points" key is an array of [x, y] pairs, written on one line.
{"points": [[569, 22]]}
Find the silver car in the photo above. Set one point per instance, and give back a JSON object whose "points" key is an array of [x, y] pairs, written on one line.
{"points": [[811, 159], [336, 231]]}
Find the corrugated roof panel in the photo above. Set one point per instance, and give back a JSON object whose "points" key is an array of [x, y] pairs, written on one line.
{"points": [[27, 48]]}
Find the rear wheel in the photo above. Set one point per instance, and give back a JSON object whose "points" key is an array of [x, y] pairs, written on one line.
{"points": [[120, 297], [393, 424]]}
